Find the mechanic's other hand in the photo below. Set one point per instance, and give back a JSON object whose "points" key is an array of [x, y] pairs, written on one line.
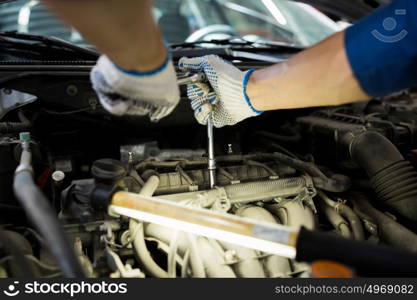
{"points": [[230, 103], [123, 92]]}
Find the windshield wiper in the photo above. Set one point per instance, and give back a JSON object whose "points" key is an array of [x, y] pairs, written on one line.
{"points": [[237, 42], [37, 45], [239, 49], [252, 56]]}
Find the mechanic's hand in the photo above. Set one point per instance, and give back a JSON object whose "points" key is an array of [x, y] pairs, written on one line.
{"points": [[229, 102], [123, 92]]}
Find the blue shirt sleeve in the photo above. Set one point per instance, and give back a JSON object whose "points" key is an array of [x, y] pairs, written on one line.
{"points": [[382, 49]]}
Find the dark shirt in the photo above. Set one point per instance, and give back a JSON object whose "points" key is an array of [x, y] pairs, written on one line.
{"points": [[382, 49]]}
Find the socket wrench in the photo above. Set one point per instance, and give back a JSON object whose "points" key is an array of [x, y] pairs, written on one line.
{"points": [[195, 78]]}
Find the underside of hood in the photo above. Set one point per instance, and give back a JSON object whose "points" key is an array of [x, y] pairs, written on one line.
{"points": [[351, 10]]}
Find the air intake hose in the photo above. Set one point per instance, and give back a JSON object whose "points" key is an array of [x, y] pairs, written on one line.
{"points": [[392, 177]]}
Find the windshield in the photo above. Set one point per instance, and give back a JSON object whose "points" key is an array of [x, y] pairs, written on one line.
{"points": [[195, 20]]}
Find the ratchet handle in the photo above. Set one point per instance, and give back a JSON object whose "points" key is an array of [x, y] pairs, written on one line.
{"points": [[192, 78]]}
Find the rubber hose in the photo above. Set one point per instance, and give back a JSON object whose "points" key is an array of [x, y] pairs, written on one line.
{"points": [[389, 231], [346, 212], [46, 222], [9, 127], [172, 262], [393, 179], [137, 232], [15, 127], [12, 245], [337, 183], [196, 262], [336, 220], [185, 264], [354, 222], [139, 244]]}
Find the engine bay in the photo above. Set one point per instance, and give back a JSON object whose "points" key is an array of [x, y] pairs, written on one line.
{"points": [[349, 171]]}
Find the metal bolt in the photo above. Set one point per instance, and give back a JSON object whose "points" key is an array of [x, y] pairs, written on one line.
{"points": [[7, 91], [58, 176], [279, 200], [229, 149], [130, 157], [92, 101], [72, 90]]}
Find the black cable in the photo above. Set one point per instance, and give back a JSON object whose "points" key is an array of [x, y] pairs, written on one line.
{"points": [[335, 184], [295, 138], [15, 127], [69, 112]]}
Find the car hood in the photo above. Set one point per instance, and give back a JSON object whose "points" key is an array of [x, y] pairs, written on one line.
{"points": [[351, 10], [348, 9]]}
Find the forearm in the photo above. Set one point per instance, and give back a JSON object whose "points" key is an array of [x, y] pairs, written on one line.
{"points": [[319, 76], [126, 32]]}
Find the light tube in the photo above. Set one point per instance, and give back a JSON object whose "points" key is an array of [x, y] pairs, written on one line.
{"points": [[210, 232]]}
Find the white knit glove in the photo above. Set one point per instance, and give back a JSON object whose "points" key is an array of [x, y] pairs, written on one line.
{"points": [[229, 102], [123, 92]]}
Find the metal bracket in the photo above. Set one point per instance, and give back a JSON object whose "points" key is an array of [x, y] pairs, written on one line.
{"points": [[12, 99]]}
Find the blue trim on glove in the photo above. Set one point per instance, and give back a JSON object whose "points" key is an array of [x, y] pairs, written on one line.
{"points": [[149, 73], [245, 94]]}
